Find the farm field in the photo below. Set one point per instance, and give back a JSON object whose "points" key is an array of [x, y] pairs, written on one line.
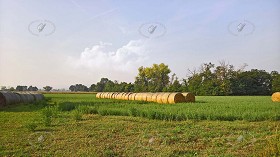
{"points": [[81, 125]]}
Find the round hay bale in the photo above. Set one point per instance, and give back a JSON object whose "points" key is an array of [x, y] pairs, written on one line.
{"points": [[14, 98], [29, 97], [114, 95], [18, 100], [104, 95], [132, 96], [138, 96], [107, 95], [164, 98], [5, 98], [120, 96], [154, 97], [24, 98], [276, 97], [159, 97], [101, 94], [144, 96], [110, 95], [37, 96], [97, 95], [123, 96], [176, 98], [127, 96], [149, 97], [189, 97]]}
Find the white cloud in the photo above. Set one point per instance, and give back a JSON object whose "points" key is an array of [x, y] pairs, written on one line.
{"points": [[102, 60]]}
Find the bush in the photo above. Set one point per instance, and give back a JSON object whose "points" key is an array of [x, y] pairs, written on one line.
{"points": [[47, 114], [66, 106]]}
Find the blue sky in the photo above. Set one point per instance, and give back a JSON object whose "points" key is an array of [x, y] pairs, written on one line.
{"points": [[94, 39]]}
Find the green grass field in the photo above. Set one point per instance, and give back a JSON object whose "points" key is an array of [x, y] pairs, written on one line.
{"points": [[81, 125]]}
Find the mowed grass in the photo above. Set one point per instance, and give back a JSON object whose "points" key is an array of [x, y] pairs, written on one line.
{"points": [[214, 126]]}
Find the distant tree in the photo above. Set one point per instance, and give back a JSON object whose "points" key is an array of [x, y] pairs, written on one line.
{"points": [[275, 81], [47, 88], [30, 88], [129, 87], [3, 88], [92, 88], [109, 86], [72, 88], [21, 88], [101, 84], [78, 88], [254, 82], [175, 86], [12, 89]]}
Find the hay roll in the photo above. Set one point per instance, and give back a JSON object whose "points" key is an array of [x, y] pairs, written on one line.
{"points": [[101, 95], [149, 97], [276, 97], [127, 96], [119, 96], [132, 96], [114, 95], [110, 95], [5, 98], [189, 97], [36, 96], [164, 98], [176, 98], [159, 98], [97, 95], [138, 96], [144, 96], [154, 97], [26, 97]]}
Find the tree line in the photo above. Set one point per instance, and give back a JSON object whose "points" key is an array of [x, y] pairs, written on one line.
{"points": [[209, 79]]}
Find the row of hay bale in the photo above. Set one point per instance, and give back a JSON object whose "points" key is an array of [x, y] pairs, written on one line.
{"points": [[9, 98], [164, 98]]}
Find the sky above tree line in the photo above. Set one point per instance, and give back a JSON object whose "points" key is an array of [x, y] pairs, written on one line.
{"points": [[59, 43]]}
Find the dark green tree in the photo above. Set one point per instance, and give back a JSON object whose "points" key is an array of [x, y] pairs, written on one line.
{"points": [[47, 88], [275, 81], [254, 82]]}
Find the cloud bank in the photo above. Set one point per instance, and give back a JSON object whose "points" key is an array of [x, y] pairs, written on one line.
{"points": [[102, 60]]}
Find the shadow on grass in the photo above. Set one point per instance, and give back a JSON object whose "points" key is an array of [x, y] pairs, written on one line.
{"points": [[26, 107]]}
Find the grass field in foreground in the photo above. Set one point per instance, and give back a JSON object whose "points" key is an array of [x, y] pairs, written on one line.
{"points": [[81, 129]]}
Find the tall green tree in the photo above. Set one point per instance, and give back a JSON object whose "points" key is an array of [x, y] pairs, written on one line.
{"points": [[153, 79], [275, 81], [101, 84], [254, 82]]}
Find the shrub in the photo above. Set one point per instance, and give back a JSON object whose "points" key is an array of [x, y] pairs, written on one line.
{"points": [[47, 114], [66, 106]]}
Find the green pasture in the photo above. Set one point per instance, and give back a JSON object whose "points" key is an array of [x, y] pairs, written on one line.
{"points": [[81, 125]]}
